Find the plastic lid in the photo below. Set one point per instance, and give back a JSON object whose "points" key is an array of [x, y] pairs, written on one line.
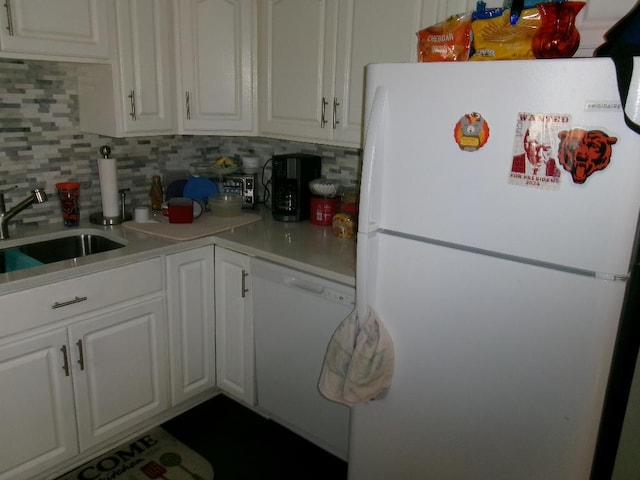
{"points": [[199, 188]]}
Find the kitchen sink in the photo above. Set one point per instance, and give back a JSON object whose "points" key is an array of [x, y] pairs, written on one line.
{"points": [[53, 250]]}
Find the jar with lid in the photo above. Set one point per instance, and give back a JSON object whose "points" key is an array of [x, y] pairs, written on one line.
{"points": [[156, 193], [325, 200], [345, 222]]}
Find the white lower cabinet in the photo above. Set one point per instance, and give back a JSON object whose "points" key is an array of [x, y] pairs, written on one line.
{"points": [[89, 364], [118, 363], [190, 301], [37, 411], [100, 376], [234, 325]]}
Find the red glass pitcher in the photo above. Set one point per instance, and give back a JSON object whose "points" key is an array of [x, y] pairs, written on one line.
{"points": [[557, 36]]}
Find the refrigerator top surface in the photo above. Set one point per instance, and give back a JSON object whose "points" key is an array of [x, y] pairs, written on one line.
{"points": [[530, 159]]}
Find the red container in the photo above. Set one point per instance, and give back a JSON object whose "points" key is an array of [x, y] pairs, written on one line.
{"points": [[323, 209], [180, 210]]}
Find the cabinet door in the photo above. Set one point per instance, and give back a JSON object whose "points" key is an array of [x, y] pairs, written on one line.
{"points": [[135, 94], [144, 56], [36, 406], [314, 54], [190, 281], [215, 42], [120, 371], [370, 31], [234, 325], [68, 28], [297, 62]]}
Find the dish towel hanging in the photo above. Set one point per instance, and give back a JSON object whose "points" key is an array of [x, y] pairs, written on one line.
{"points": [[359, 361]]}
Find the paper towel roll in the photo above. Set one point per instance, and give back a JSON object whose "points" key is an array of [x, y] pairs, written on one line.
{"points": [[109, 187]]}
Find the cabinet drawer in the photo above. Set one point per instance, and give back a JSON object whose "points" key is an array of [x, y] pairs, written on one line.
{"points": [[49, 303]]}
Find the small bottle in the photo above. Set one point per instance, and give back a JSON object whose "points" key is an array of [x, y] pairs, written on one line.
{"points": [[156, 193]]}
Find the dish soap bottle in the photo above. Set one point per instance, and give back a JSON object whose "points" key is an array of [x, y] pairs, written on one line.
{"points": [[156, 193]]}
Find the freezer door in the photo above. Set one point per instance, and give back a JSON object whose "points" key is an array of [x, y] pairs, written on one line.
{"points": [[417, 179], [500, 368]]}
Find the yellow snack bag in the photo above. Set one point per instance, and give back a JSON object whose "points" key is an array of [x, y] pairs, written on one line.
{"points": [[496, 39], [447, 41]]}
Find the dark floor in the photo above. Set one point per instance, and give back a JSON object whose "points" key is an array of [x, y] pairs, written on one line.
{"points": [[241, 444]]}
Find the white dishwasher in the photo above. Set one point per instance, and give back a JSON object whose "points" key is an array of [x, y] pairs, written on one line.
{"points": [[295, 315]]}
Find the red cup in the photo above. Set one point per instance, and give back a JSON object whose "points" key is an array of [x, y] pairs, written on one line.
{"points": [[180, 210], [69, 195]]}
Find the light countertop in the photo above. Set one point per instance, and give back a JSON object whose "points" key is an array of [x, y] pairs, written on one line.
{"points": [[300, 245]]}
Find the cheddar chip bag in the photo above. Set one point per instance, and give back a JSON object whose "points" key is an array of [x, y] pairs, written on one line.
{"points": [[448, 41]]}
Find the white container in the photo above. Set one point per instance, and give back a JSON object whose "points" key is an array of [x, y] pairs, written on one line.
{"points": [[226, 205]]}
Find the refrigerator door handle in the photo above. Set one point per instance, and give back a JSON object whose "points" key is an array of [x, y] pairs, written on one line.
{"points": [[632, 104], [372, 155]]}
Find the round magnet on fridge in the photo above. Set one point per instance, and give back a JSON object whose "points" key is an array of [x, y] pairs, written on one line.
{"points": [[471, 132]]}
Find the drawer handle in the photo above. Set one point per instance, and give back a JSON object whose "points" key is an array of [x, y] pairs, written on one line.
{"points": [[65, 360], [68, 302]]}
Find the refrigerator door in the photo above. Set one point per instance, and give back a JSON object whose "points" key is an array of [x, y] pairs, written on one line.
{"points": [[501, 366], [418, 180]]}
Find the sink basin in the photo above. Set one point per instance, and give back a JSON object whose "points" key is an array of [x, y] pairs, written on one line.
{"points": [[64, 248], [51, 250]]}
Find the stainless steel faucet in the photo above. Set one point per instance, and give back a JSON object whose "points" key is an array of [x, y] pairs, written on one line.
{"points": [[37, 196]]}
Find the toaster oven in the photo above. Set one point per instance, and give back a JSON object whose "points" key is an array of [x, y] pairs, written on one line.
{"points": [[244, 184]]}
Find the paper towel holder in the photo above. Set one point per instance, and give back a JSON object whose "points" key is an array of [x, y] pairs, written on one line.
{"points": [[98, 217]]}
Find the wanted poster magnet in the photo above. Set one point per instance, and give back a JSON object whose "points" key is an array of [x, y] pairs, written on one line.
{"points": [[535, 146], [471, 132]]}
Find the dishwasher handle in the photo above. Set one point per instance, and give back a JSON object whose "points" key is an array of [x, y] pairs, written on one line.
{"points": [[294, 282]]}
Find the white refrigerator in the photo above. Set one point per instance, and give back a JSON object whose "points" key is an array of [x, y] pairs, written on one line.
{"points": [[497, 228]]}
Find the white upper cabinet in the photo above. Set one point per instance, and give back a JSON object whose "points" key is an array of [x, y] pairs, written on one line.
{"points": [[370, 31], [75, 30], [215, 47], [134, 94], [297, 62], [313, 54]]}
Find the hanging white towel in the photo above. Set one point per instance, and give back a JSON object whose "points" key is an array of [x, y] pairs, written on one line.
{"points": [[359, 361]]}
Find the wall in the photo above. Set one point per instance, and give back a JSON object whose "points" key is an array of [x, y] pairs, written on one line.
{"points": [[41, 145]]}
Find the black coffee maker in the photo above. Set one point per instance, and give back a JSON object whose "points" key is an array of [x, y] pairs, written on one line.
{"points": [[290, 177]]}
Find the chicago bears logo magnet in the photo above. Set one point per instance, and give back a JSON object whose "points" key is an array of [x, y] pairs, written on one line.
{"points": [[584, 152], [471, 132]]}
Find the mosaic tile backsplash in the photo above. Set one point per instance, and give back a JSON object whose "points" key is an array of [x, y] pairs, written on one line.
{"points": [[41, 145]]}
